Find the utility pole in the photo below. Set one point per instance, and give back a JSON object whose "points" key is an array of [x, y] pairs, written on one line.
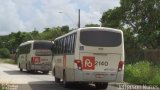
{"points": [[79, 21]]}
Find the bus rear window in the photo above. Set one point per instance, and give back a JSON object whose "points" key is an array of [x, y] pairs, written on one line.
{"points": [[100, 38], [42, 45]]}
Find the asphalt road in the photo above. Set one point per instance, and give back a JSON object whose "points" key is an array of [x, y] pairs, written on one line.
{"points": [[12, 78]]}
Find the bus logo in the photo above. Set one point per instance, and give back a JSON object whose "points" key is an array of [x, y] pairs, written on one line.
{"points": [[88, 63]]}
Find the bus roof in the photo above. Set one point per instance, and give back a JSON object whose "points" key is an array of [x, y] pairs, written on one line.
{"points": [[79, 29], [31, 41]]}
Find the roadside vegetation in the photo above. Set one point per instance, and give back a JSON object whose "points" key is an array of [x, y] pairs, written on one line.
{"points": [[4, 53], [5, 87], [143, 72], [7, 60], [5, 56], [0, 87]]}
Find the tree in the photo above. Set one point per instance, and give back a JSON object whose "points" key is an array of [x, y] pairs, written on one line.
{"points": [[65, 29], [4, 53], [34, 35], [141, 17], [112, 18], [13, 40], [92, 25], [51, 33]]}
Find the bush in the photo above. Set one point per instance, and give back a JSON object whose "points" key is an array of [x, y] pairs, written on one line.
{"points": [[1, 87], [142, 72], [4, 53]]}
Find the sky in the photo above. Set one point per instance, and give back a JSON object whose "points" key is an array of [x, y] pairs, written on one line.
{"points": [[27, 15]]}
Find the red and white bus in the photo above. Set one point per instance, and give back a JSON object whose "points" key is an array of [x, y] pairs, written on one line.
{"points": [[89, 55], [35, 55]]}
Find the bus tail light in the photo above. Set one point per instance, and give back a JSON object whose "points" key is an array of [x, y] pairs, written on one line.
{"points": [[120, 65], [78, 63], [35, 60]]}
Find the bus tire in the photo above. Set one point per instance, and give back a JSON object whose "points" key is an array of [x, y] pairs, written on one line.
{"points": [[28, 70], [101, 85], [57, 80], [20, 68], [65, 83], [53, 72]]}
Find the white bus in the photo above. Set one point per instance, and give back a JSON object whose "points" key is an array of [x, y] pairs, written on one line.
{"points": [[35, 55], [93, 55]]}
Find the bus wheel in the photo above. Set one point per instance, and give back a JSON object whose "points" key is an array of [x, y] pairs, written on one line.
{"points": [[20, 68], [28, 70], [45, 72], [101, 85], [57, 80], [65, 83]]}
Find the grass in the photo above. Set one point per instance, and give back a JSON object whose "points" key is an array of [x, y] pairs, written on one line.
{"points": [[142, 72], [0, 87], [10, 61], [5, 87]]}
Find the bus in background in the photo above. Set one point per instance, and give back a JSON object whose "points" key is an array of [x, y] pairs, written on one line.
{"points": [[93, 55], [35, 55]]}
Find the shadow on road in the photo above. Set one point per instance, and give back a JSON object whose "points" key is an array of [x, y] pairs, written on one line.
{"points": [[17, 72], [51, 85]]}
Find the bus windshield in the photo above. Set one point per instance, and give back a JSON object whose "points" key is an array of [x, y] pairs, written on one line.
{"points": [[42, 45], [100, 38]]}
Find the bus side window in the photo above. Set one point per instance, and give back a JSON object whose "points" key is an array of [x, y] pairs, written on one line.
{"points": [[21, 50], [74, 42], [69, 44], [28, 47], [69, 47], [61, 46], [64, 45], [55, 50], [57, 46]]}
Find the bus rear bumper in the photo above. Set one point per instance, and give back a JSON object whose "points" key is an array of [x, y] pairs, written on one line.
{"points": [[41, 67], [90, 76]]}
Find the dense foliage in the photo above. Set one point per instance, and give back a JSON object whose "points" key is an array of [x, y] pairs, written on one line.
{"points": [[140, 22], [4, 53], [142, 72], [139, 19], [13, 40]]}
